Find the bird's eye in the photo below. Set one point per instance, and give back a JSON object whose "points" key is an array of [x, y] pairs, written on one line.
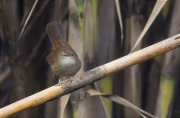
{"points": [[65, 54]]}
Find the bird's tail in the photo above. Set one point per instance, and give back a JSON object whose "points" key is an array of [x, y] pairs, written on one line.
{"points": [[56, 32]]}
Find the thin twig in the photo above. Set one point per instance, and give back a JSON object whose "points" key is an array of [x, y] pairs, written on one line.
{"points": [[35, 18], [120, 19], [5, 75], [35, 49], [35, 3], [157, 8], [5, 97]]}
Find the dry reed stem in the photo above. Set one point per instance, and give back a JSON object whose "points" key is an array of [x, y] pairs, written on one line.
{"points": [[91, 76]]}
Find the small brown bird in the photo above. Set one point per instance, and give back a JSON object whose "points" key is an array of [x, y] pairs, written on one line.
{"points": [[63, 59]]}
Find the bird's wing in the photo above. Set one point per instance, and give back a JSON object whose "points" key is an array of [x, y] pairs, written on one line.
{"points": [[49, 58]]}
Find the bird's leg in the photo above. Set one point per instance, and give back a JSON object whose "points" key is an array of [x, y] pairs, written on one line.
{"points": [[62, 79], [59, 82]]}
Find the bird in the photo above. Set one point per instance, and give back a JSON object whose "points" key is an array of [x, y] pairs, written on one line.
{"points": [[63, 59]]}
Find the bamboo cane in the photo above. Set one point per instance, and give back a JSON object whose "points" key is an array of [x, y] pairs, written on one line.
{"points": [[81, 80]]}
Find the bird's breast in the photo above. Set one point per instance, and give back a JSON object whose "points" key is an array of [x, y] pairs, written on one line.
{"points": [[67, 61], [67, 66]]}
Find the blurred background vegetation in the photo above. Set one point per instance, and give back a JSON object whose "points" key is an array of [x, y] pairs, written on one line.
{"points": [[93, 30]]}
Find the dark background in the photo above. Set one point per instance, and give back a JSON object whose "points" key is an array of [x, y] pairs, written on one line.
{"points": [[24, 70]]}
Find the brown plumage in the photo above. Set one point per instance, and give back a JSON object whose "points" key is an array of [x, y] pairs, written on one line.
{"points": [[63, 60]]}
